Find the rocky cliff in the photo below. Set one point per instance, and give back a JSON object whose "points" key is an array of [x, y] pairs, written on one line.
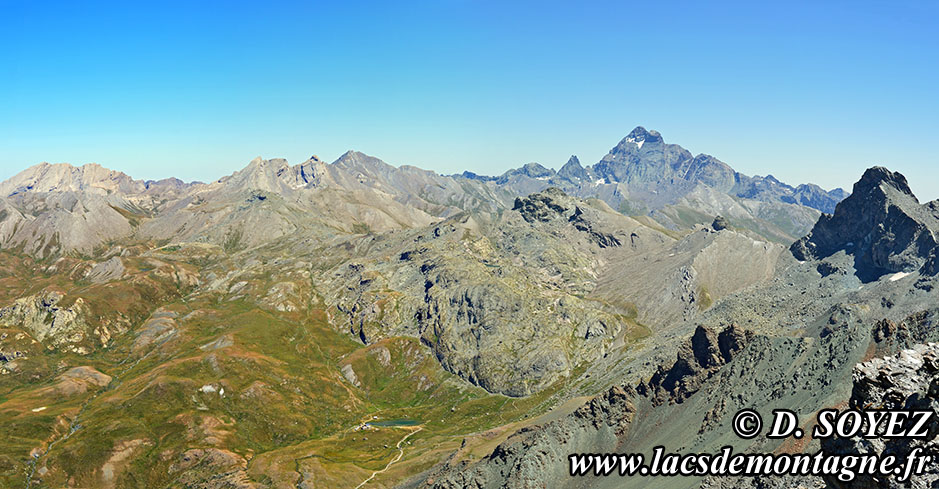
{"points": [[906, 381], [882, 225]]}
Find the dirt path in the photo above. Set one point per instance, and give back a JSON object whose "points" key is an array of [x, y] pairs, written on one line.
{"points": [[398, 457]]}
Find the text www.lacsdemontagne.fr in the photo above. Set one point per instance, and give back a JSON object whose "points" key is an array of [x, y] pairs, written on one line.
{"points": [[844, 467]]}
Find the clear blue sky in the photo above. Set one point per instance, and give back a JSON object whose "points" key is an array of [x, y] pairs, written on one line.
{"points": [[810, 91]]}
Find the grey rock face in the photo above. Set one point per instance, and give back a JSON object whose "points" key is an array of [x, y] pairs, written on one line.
{"points": [[720, 223], [106, 271], [881, 225], [530, 170], [661, 172], [92, 178], [42, 316], [501, 300], [908, 381], [573, 171], [815, 197], [543, 206], [552, 203], [699, 358]]}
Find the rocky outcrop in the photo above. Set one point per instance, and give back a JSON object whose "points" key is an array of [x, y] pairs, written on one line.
{"points": [[544, 206], [79, 380], [720, 223], [906, 381], [158, 328], [882, 225], [47, 321], [553, 203], [212, 468], [697, 360], [106, 271]]}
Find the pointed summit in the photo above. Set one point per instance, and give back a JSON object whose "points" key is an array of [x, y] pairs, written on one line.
{"points": [[572, 170], [881, 224]]}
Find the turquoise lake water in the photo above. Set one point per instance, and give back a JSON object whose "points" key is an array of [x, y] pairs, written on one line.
{"points": [[395, 422]]}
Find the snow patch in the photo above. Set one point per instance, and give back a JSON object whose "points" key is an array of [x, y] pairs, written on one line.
{"points": [[639, 143], [39, 409], [898, 276], [599, 181]]}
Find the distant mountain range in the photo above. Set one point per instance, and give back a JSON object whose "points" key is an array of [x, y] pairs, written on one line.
{"points": [[48, 208], [651, 172]]}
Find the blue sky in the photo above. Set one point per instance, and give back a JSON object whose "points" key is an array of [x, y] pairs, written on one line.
{"points": [[813, 91]]}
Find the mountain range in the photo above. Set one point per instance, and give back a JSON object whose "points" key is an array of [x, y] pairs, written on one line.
{"points": [[656, 174], [348, 323]]}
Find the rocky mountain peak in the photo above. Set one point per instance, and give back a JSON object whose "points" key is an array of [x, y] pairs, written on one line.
{"points": [[273, 175], [357, 161], [536, 170], [529, 170], [877, 177], [640, 135], [572, 170], [881, 224], [63, 177], [635, 141]]}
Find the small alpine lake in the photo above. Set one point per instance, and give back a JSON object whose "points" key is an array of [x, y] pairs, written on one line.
{"points": [[395, 422]]}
